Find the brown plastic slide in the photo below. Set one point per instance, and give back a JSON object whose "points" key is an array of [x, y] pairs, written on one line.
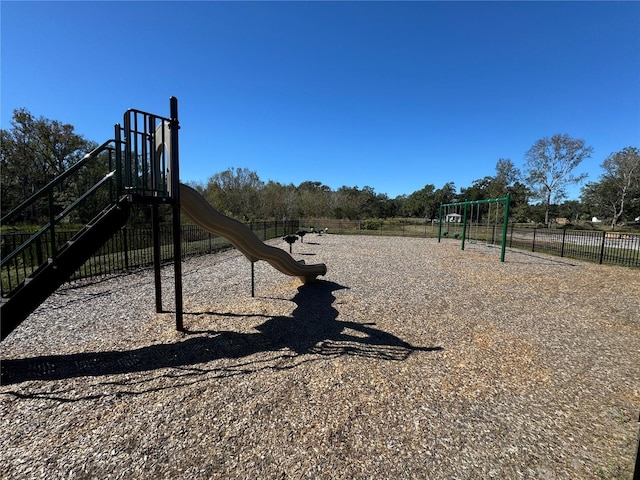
{"points": [[200, 211]]}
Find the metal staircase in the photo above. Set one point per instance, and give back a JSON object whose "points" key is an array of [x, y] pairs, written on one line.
{"points": [[142, 167]]}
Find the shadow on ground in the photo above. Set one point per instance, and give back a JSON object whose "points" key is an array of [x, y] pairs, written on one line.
{"points": [[312, 329]]}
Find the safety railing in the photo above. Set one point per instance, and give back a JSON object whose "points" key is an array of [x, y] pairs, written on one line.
{"points": [[75, 196], [146, 157], [131, 247]]}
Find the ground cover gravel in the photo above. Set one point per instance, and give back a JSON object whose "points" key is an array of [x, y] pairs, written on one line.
{"points": [[409, 359]]}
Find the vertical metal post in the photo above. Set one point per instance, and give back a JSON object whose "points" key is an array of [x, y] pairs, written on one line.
{"points": [[52, 227], [174, 126], [604, 239], [464, 225], [154, 159], [505, 221], [155, 234], [128, 144], [125, 247], [440, 223], [253, 280], [118, 135]]}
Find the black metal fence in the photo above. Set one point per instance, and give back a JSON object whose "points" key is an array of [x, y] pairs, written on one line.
{"points": [[593, 245], [604, 247], [130, 248]]}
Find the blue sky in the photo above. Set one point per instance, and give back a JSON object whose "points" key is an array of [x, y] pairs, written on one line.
{"points": [[391, 95]]}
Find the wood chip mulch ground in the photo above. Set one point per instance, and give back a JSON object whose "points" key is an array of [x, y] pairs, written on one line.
{"points": [[409, 360]]}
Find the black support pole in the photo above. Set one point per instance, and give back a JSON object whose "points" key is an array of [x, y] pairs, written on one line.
{"points": [[174, 126], [253, 280], [155, 233]]}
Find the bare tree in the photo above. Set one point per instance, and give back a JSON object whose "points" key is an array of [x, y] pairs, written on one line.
{"points": [[550, 163], [619, 182], [506, 172], [622, 170]]}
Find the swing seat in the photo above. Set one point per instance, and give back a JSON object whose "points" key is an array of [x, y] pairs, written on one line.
{"points": [[456, 235]]}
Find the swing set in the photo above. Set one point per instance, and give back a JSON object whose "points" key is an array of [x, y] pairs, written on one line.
{"points": [[482, 221]]}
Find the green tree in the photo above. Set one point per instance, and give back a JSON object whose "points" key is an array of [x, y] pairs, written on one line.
{"points": [[421, 203], [348, 203], [278, 200], [550, 163], [479, 190], [505, 181], [33, 152], [236, 192], [572, 210], [313, 199], [446, 194]]}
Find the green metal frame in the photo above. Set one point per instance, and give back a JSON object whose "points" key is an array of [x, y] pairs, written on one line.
{"points": [[505, 220]]}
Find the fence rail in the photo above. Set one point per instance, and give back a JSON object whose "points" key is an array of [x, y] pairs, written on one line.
{"points": [[604, 247], [130, 248], [592, 245]]}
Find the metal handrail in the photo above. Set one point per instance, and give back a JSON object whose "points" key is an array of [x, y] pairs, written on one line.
{"points": [[56, 181], [27, 243], [47, 193]]}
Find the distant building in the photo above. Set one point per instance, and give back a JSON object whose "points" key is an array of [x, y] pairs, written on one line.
{"points": [[596, 220], [453, 218]]}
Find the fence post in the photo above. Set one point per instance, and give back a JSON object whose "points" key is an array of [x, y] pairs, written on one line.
{"points": [[564, 234], [125, 246], [533, 244], [604, 238]]}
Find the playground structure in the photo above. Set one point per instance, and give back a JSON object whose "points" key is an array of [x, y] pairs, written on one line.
{"points": [[469, 221], [142, 165]]}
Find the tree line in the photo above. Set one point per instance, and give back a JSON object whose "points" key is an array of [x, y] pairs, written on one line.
{"points": [[35, 150]]}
